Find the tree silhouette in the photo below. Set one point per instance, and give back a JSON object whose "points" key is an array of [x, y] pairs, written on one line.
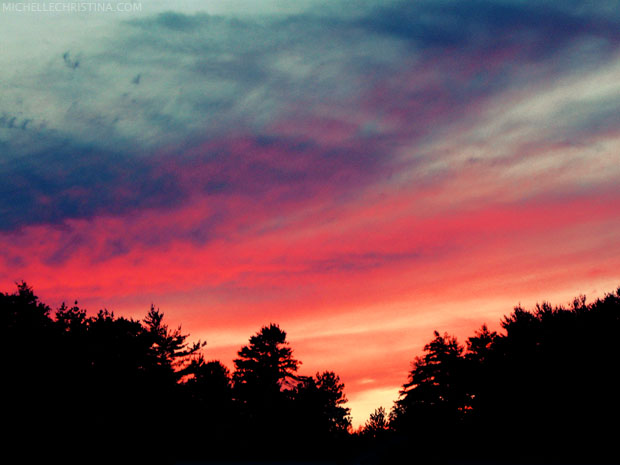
{"points": [[24, 320], [433, 398], [211, 416], [480, 345], [320, 400], [549, 373], [29, 361], [169, 349], [103, 388], [208, 380], [264, 372], [377, 424], [266, 364]]}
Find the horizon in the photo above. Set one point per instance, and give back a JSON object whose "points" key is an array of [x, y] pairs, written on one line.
{"points": [[367, 400], [360, 173]]}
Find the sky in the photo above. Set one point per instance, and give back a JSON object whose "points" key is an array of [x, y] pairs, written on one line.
{"points": [[359, 172]]}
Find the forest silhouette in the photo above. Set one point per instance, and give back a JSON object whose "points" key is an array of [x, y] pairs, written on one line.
{"points": [[105, 389]]}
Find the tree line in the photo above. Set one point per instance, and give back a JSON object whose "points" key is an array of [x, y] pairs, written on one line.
{"points": [[102, 389], [544, 390]]}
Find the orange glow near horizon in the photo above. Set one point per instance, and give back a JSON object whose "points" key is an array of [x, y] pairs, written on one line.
{"points": [[359, 295]]}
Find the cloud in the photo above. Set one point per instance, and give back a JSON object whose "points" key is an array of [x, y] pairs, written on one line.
{"points": [[72, 63], [541, 28], [65, 182], [291, 108]]}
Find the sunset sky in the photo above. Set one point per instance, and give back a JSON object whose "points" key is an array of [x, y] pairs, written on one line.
{"points": [[361, 172]]}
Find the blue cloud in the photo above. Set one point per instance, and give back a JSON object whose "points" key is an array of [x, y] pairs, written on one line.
{"points": [[488, 24], [106, 146]]}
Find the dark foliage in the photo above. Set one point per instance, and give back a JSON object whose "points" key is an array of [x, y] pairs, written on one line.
{"points": [[546, 390], [89, 389], [106, 389]]}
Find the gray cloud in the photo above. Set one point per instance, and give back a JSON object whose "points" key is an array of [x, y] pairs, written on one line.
{"points": [[103, 127]]}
